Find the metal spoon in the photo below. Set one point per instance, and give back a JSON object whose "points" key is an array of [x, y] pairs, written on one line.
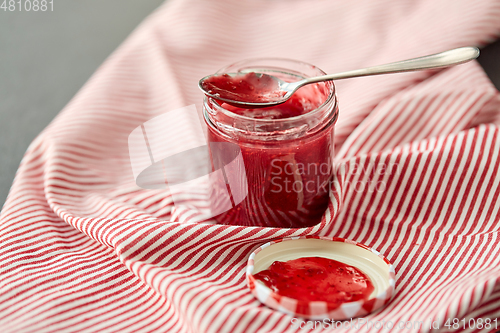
{"points": [[272, 90]]}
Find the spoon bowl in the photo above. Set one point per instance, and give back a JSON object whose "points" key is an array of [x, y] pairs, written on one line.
{"points": [[248, 89], [256, 90]]}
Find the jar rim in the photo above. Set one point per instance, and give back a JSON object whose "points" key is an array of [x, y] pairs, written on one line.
{"points": [[330, 85]]}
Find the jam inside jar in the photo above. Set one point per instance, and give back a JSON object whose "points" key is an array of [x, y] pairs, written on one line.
{"points": [[287, 150]]}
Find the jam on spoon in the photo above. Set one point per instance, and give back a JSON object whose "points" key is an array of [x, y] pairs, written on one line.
{"points": [[249, 87]]}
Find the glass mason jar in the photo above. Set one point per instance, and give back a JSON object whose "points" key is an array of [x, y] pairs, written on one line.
{"points": [[288, 158]]}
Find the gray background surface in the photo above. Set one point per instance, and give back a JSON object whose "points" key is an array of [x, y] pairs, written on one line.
{"points": [[45, 58]]}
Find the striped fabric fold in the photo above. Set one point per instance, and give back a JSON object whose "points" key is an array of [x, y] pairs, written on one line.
{"points": [[84, 249]]}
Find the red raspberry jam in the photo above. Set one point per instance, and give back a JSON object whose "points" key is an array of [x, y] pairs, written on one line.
{"points": [[317, 279], [249, 87], [287, 152]]}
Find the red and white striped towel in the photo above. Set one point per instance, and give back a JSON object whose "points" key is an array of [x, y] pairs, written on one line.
{"points": [[82, 248]]}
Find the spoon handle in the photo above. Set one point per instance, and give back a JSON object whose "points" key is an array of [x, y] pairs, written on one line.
{"points": [[443, 59]]}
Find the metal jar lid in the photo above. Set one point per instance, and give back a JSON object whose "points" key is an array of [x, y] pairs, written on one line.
{"points": [[372, 263]]}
